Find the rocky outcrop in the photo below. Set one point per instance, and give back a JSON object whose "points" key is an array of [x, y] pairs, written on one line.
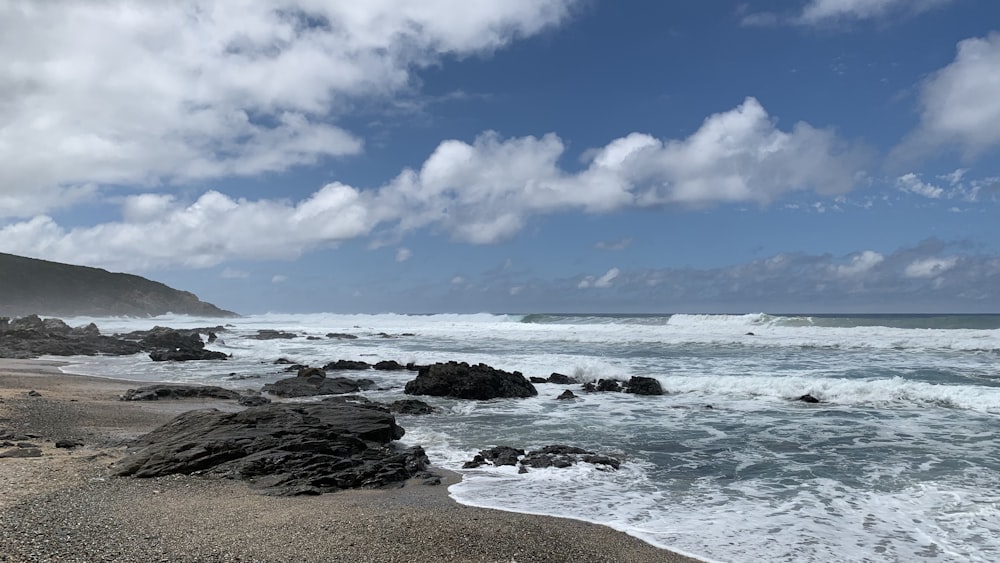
{"points": [[462, 381], [643, 386], [347, 365], [636, 385], [32, 336], [557, 456], [411, 406], [167, 344], [283, 448], [176, 392], [30, 286], [561, 379], [268, 334], [313, 381]]}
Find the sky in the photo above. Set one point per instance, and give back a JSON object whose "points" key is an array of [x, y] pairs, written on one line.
{"points": [[512, 156]]}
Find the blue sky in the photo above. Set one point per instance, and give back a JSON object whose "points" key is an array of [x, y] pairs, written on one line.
{"points": [[512, 155]]}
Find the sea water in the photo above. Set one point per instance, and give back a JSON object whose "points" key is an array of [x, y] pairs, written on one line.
{"points": [[899, 462]]}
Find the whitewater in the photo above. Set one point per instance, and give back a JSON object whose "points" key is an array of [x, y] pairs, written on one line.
{"points": [[899, 460]]}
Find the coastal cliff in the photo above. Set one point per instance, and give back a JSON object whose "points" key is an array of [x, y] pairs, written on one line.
{"points": [[31, 286]]}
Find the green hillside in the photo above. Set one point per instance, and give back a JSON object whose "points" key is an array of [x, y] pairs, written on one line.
{"points": [[30, 286]]}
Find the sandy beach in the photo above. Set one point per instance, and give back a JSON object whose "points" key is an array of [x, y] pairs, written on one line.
{"points": [[65, 505]]}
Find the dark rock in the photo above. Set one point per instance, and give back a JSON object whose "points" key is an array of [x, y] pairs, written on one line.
{"points": [[312, 386], [311, 372], [561, 379], [477, 461], [174, 392], [560, 456], [284, 448], [534, 379], [283, 361], [269, 334], [643, 386], [389, 365], [167, 344], [87, 331], [186, 355], [604, 385], [30, 337], [253, 400], [347, 365], [808, 399], [212, 337], [341, 336], [33, 393], [750, 334], [411, 406], [502, 455], [566, 395], [462, 381], [68, 443], [595, 459]]}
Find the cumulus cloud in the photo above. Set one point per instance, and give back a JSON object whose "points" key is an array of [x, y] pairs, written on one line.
{"points": [[480, 192], [826, 12], [160, 232], [601, 282], [912, 183], [484, 191], [403, 254], [959, 104], [144, 93], [859, 264], [930, 267]]}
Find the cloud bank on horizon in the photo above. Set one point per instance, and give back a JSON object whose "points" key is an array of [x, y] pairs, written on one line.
{"points": [[206, 137]]}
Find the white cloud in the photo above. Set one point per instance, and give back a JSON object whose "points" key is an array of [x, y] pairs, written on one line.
{"points": [[960, 105], [213, 229], [279, 278], [403, 254], [826, 12], [143, 93], [822, 11], [601, 282], [913, 184], [955, 177], [860, 264], [457, 280], [483, 192], [930, 267]]}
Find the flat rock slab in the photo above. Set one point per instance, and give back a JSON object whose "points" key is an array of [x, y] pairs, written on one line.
{"points": [[284, 448], [165, 391]]}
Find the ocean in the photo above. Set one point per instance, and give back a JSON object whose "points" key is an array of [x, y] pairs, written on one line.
{"points": [[899, 462]]}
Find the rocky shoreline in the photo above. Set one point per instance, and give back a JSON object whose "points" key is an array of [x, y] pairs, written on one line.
{"points": [[67, 504]]}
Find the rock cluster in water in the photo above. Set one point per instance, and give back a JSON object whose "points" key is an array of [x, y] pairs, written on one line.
{"points": [[557, 456], [459, 380]]}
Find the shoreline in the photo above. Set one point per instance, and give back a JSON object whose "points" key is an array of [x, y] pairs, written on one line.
{"points": [[65, 506]]}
